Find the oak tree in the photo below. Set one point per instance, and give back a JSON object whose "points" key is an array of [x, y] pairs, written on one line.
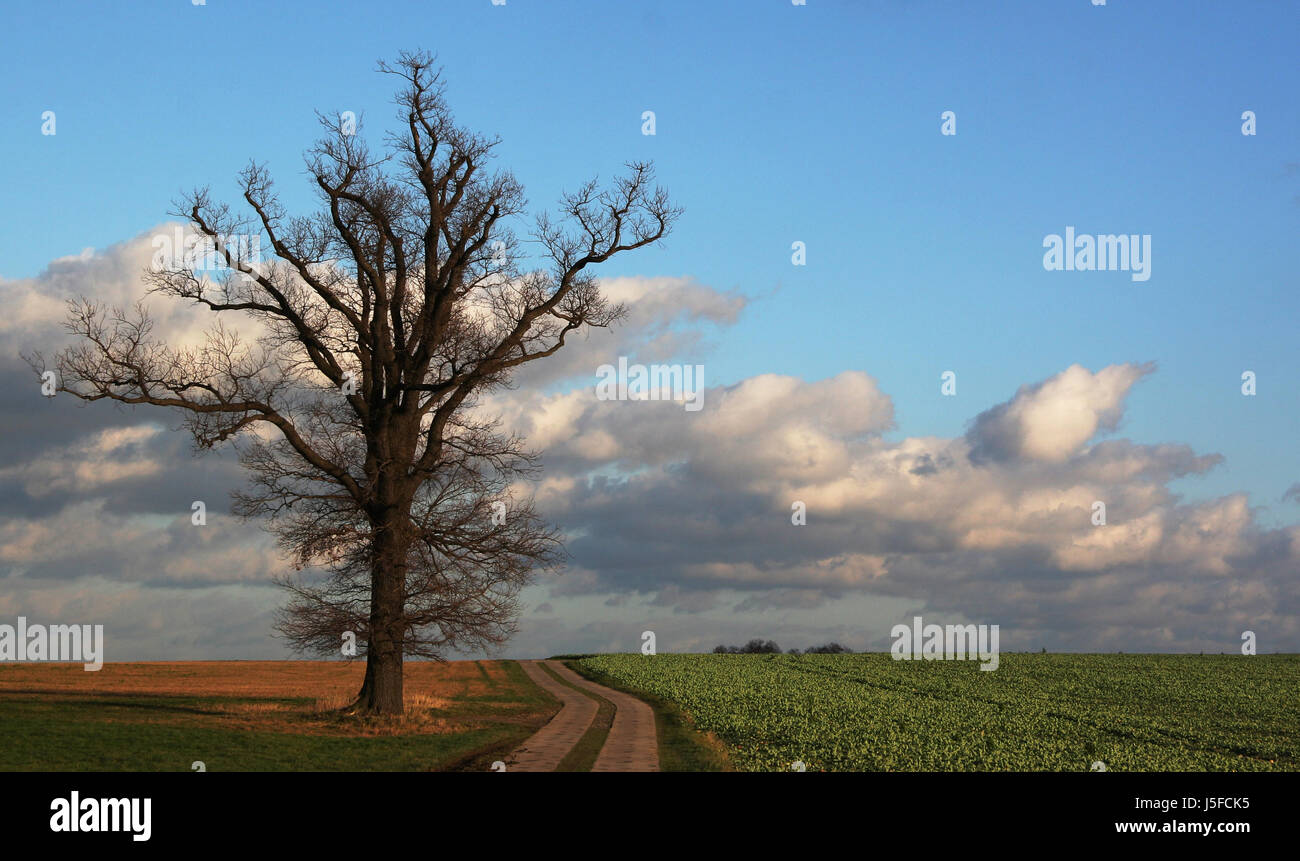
{"points": [[382, 319]]}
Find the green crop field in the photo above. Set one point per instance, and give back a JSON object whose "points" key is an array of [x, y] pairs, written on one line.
{"points": [[867, 712]]}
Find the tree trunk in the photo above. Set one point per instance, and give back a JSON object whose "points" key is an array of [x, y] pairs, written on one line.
{"points": [[381, 692]]}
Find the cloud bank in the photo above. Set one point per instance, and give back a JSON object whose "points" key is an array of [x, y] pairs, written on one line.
{"points": [[677, 521]]}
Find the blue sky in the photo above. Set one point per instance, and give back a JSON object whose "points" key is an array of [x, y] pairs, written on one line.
{"points": [[778, 123]]}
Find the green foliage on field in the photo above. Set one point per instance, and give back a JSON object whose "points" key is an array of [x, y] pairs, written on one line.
{"points": [[867, 712], [682, 747]]}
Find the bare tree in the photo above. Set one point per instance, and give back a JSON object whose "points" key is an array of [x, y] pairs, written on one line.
{"points": [[383, 317]]}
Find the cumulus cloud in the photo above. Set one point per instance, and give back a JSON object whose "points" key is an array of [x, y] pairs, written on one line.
{"points": [[1049, 421], [994, 526], [677, 521], [36, 307], [95, 499], [111, 455], [667, 318]]}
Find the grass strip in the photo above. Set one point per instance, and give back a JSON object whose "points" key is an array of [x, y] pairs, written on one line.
{"points": [[682, 747], [584, 753]]}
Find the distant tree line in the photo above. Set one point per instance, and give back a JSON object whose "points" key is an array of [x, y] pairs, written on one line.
{"points": [[769, 647]]}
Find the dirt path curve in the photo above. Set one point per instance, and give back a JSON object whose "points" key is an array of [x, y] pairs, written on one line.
{"points": [[545, 748], [632, 744]]}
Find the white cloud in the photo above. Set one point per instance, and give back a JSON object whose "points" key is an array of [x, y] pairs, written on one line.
{"points": [[111, 455], [1050, 421], [684, 517]]}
